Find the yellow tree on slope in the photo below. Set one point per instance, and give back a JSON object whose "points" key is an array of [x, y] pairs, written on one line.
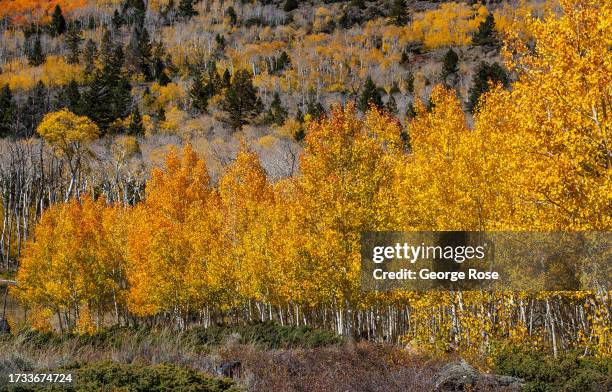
{"points": [[68, 268], [556, 119], [162, 272]]}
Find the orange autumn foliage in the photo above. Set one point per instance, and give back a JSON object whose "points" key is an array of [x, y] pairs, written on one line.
{"points": [[23, 12]]}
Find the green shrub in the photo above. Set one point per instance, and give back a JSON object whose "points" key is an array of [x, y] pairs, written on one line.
{"points": [[568, 373], [113, 377], [267, 335]]}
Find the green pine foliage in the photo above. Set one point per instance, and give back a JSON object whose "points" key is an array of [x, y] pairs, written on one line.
{"points": [[486, 73], [199, 93], [370, 96], [391, 105], [73, 43], [7, 111], [186, 10], [36, 55], [276, 113], [486, 35], [58, 22], [290, 5], [399, 12], [543, 373], [450, 63], [240, 103], [135, 128]]}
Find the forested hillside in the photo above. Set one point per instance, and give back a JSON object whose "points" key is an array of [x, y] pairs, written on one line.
{"points": [[214, 74], [214, 162]]}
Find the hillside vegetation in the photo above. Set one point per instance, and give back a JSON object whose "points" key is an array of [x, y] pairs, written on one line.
{"points": [[195, 164]]}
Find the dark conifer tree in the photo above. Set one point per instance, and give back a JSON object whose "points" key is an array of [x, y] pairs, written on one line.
{"points": [[36, 107], [314, 109], [73, 42], [240, 103], [299, 116], [409, 83], [280, 63], [139, 53], [231, 13], [89, 56], [70, 97], [391, 105], [159, 65], [58, 23], [108, 97], [199, 94], [135, 128], [7, 111], [117, 20], [359, 4], [185, 9], [226, 79], [276, 114], [369, 96], [450, 63], [399, 12], [36, 56], [410, 112], [486, 73], [486, 35], [404, 59], [161, 114], [290, 5]]}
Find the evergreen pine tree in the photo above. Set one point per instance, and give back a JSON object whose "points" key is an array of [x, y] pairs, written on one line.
{"points": [[117, 20], [391, 105], [359, 4], [480, 82], [7, 111], [185, 9], [89, 56], [199, 94], [450, 63], [369, 96], [281, 62], [409, 83], [486, 35], [226, 79], [139, 52], [299, 116], [290, 5], [161, 114], [314, 109], [58, 23], [109, 94], [240, 103], [399, 12], [410, 112], [158, 65], [36, 107], [73, 42], [36, 56], [135, 128], [70, 97], [276, 114], [231, 13]]}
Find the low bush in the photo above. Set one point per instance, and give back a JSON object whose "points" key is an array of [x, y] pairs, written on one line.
{"points": [[266, 335], [121, 377], [568, 373]]}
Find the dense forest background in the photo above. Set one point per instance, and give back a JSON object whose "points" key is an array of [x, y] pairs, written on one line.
{"points": [[214, 162], [215, 74]]}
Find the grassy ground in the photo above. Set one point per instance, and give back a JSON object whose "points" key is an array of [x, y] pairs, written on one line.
{"points": [[272, 358]]}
